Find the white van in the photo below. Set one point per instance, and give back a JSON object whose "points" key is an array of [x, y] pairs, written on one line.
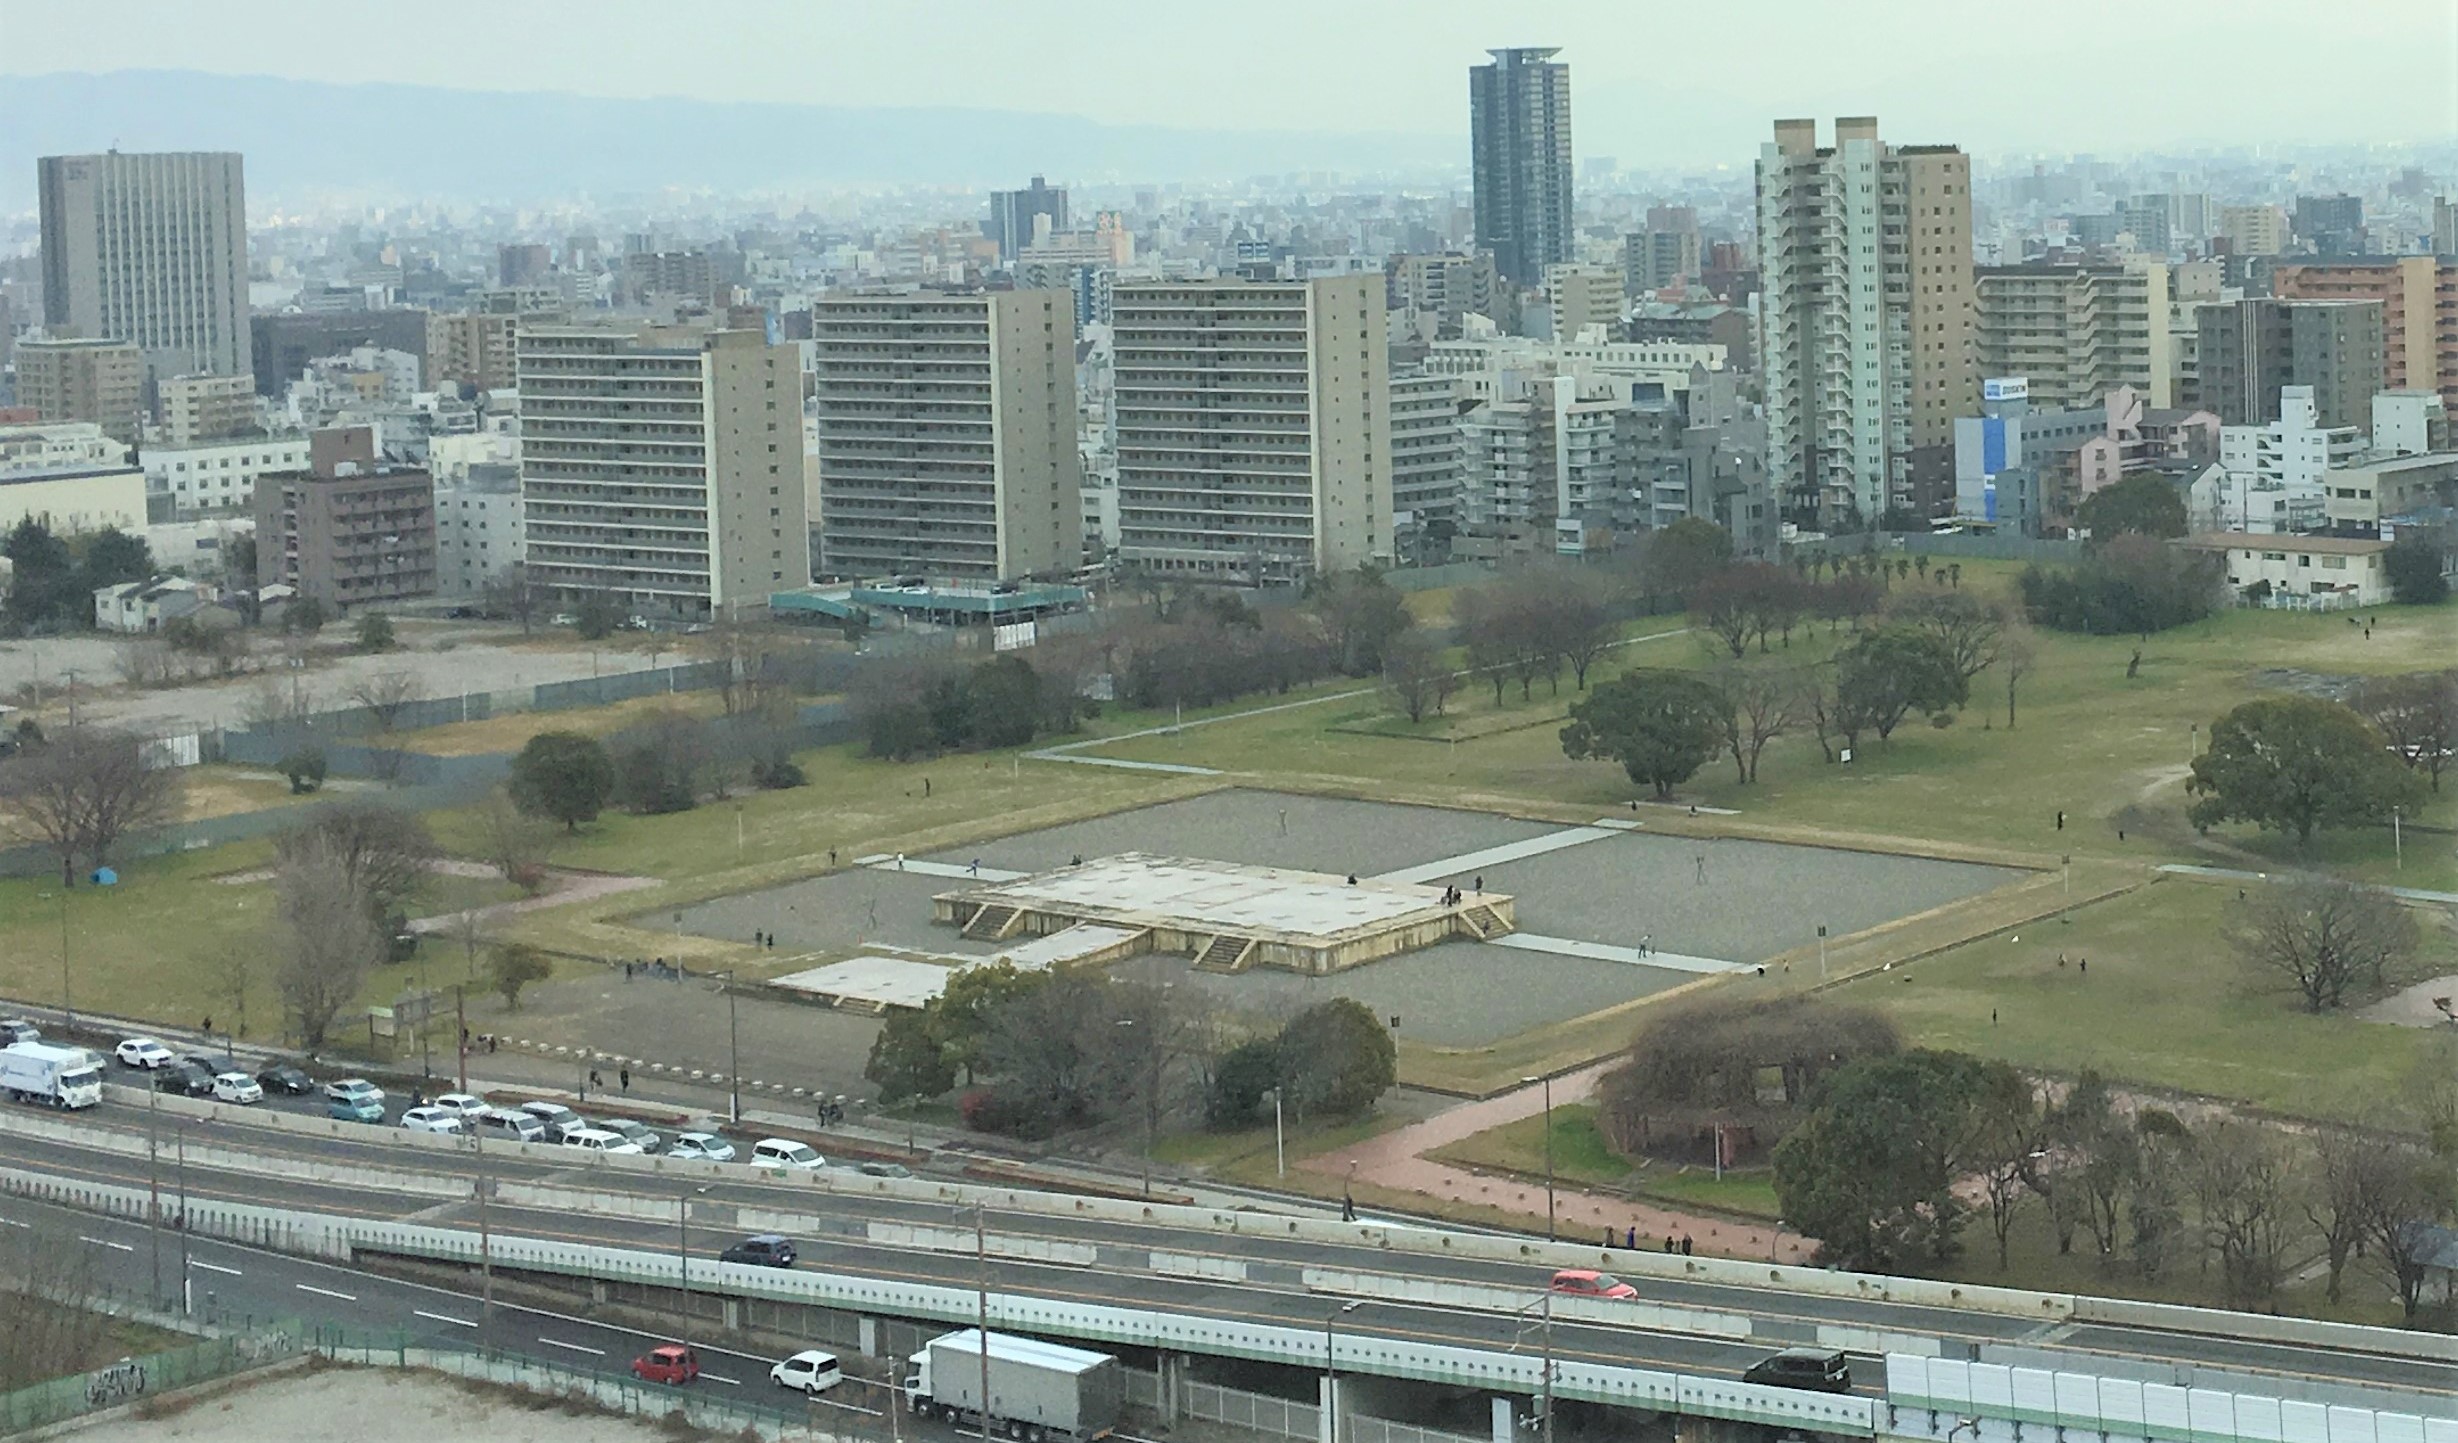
{"points": [[810, 1372], [779, 1152], [598, 1139], [503, 1125]]}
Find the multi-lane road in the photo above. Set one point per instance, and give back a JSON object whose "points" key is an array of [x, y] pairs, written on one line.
{"points": [[437, 1186]]}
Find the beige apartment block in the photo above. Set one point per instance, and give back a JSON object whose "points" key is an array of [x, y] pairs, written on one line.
{"points": [[2078, 332], [2253, 230], [947, 434], [663, 465], [474, 348], [349, 530], [1254, 427], [198, 409], [1583, 296], [84, 380], [2419, 312]]}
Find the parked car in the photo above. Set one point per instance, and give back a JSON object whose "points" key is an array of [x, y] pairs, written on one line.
{"points": [[638, 1133], [432, 1119], [283, 1078], [462, 1104], [185, 1076], [142, 1052], [598, 1139], [783, 1152], [559, 1121], [706, 1146], [766, 1251], [1819, 1369], [354, 1099], [237, 1087], [667, 1363], [1588, 1283], [508, 1125], [809, 1371], [14, 1030]]}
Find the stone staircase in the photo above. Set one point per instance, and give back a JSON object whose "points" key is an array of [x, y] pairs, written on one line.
{"points": [[995, 922], [1225, 953], [1484, 922]]}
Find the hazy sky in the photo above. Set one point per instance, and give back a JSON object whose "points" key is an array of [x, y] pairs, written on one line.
{"points": [[1663, 82]]}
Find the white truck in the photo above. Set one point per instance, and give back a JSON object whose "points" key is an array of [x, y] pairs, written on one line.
{"points": [[63, 1077], [1038, 1391]]}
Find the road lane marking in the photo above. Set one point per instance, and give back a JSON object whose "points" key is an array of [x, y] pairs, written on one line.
{"points": [[439, 1317], [214, 1267], [325, 1292], [575, 1347], [729, 1382], [14, 1223], [105, 1243]]}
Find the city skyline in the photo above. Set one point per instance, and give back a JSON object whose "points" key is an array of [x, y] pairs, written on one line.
{"points": [[1984, 87]]}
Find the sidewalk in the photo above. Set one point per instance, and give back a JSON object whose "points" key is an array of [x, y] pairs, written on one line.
{"points": [[1396, 1160]]}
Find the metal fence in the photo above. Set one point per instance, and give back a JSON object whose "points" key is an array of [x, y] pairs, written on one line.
{"points": [[1951, 545], [132, 1380], [1261, 1412], [601, 1389]]}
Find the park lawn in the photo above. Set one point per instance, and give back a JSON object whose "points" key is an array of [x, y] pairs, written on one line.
{"points": [[220, 791], [2163, 1004], [510, 732], [1249, 1156], [1581, 1157]]}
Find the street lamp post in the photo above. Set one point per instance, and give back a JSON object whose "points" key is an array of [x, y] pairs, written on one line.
{"points": [[734, 1049], [187, 1292], [682, 1255], [1544, 1301], [1331, 1371], [1280, 1139], [1547, 1082]]}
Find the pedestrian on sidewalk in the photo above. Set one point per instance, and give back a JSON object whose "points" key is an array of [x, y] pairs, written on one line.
{"points": [[1348, 1207], [1480, 886], [595, 1080], [1687, 1245], [624, 1076], [1632, 1241], [1669, 1245]]}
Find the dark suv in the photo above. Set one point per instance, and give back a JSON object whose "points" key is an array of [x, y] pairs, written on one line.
{"points": [[185, 1075], [1815, 1368], [767, 1251]]}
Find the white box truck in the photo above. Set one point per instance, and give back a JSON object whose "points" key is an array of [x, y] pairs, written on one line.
{"points": [[1038, 1391], [52, 1076]]}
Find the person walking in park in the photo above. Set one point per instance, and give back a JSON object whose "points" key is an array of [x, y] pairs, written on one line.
{"points": [[623, 1075]]}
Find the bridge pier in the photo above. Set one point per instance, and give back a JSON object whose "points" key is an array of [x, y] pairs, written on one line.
{"points": [[1506, 1415], [1690, 1428], [1327, 1409], [1172, 1383]]}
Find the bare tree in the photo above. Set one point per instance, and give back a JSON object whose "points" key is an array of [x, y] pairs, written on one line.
{"points": [[51, 1318], [2403, 1191], [1419, 680], [1761, 703], [1971, 626], [386, 697], [513, 594], [2017, 654], [80, 793], [233, 968], [328, 941], [2326, 941], [278, 705], [2417, 713], [2240, 1179], [517, 844], [1570, 605], [386, 852], [2334, 1201]]}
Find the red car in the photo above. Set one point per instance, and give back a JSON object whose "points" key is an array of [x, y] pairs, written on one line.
{"points": [[669, 1363], [1588, 1283]]}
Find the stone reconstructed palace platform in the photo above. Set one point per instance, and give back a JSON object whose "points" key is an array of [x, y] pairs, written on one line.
{"points": [[1226, 915]]}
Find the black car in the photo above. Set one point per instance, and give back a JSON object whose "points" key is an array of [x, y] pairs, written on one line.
{"points": [[767, 1250], [17, 1029], [1820, 1369], [282, 1077], [184, 1075]]}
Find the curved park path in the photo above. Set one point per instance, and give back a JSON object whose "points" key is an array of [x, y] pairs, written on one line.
{"points": [[1396, 1160]]}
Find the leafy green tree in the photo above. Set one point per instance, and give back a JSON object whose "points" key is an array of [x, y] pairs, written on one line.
{"points": [[305, 767], [1337, 1058], [563, 776], [514, 966], [1360, 612], [2297, 763], [1662, 726], [597, 615], [2127, 583], [1893, 671], [968, 1009], [44, 589], [1002, 702], [112, 557], [909, 1057], [1872, 1173], [304, 616], [2143, 505], [2413, 568], [1686, 553], [1239, 1080], [375, 632]]}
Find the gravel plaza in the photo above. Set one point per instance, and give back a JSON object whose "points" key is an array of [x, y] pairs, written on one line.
{"points": [[1717, 904]]}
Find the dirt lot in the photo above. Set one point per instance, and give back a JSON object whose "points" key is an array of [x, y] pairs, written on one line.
{"points": [[381, 1406]]}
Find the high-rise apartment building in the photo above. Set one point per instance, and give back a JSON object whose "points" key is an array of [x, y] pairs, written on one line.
{"points": [[2251, 348], [150, 249], [1254, 426], [84, 380], [1866, 345], [1578, 297], [1013, 214], [662, 464], [1670, 250], [197, 409], [349, 530], [2077, 332], [2444, 227], [947, 434], [2253, 230], [1519, 136], [1447, 288], [2419, 312], [1425, 458]]}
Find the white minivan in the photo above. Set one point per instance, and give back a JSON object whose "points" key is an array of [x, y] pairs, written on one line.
{"points": [[598, 1139], [810, 1371], [781, 1152], [505, 1125]]}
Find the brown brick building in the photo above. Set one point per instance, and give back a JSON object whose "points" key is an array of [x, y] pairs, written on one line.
{"points": [[349, 530]]}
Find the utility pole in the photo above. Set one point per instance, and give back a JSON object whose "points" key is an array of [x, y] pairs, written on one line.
{"points": [[734, 1040], [486, 1242], [981, 1307], [682, 1256], [460, 1018], [187, 1292], [1331, 1371], [1548, 1403], [67, 1004], [1547, 1083], [153, 1182]]}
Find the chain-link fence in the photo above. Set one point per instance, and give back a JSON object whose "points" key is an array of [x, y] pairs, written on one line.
{"points": [[132, 1380]]}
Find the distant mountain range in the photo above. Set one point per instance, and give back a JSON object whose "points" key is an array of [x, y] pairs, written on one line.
{"points": [[306, 140]]}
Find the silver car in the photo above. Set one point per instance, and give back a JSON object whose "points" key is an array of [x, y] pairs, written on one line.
{"points": [[705, 1146]]}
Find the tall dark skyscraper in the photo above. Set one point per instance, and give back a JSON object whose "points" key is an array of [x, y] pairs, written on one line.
{"points": [[1012, 213], [1519, 127]]}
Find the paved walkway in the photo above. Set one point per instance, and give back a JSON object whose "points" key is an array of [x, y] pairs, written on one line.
{"points": [[1397, 1160], [1602, 952], [2238, 874], [1495, 856], [891, 862]]}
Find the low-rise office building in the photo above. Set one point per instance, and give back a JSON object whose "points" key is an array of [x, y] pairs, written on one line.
{"points": [[349, 530], [2299, 573], [215, 477]]}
